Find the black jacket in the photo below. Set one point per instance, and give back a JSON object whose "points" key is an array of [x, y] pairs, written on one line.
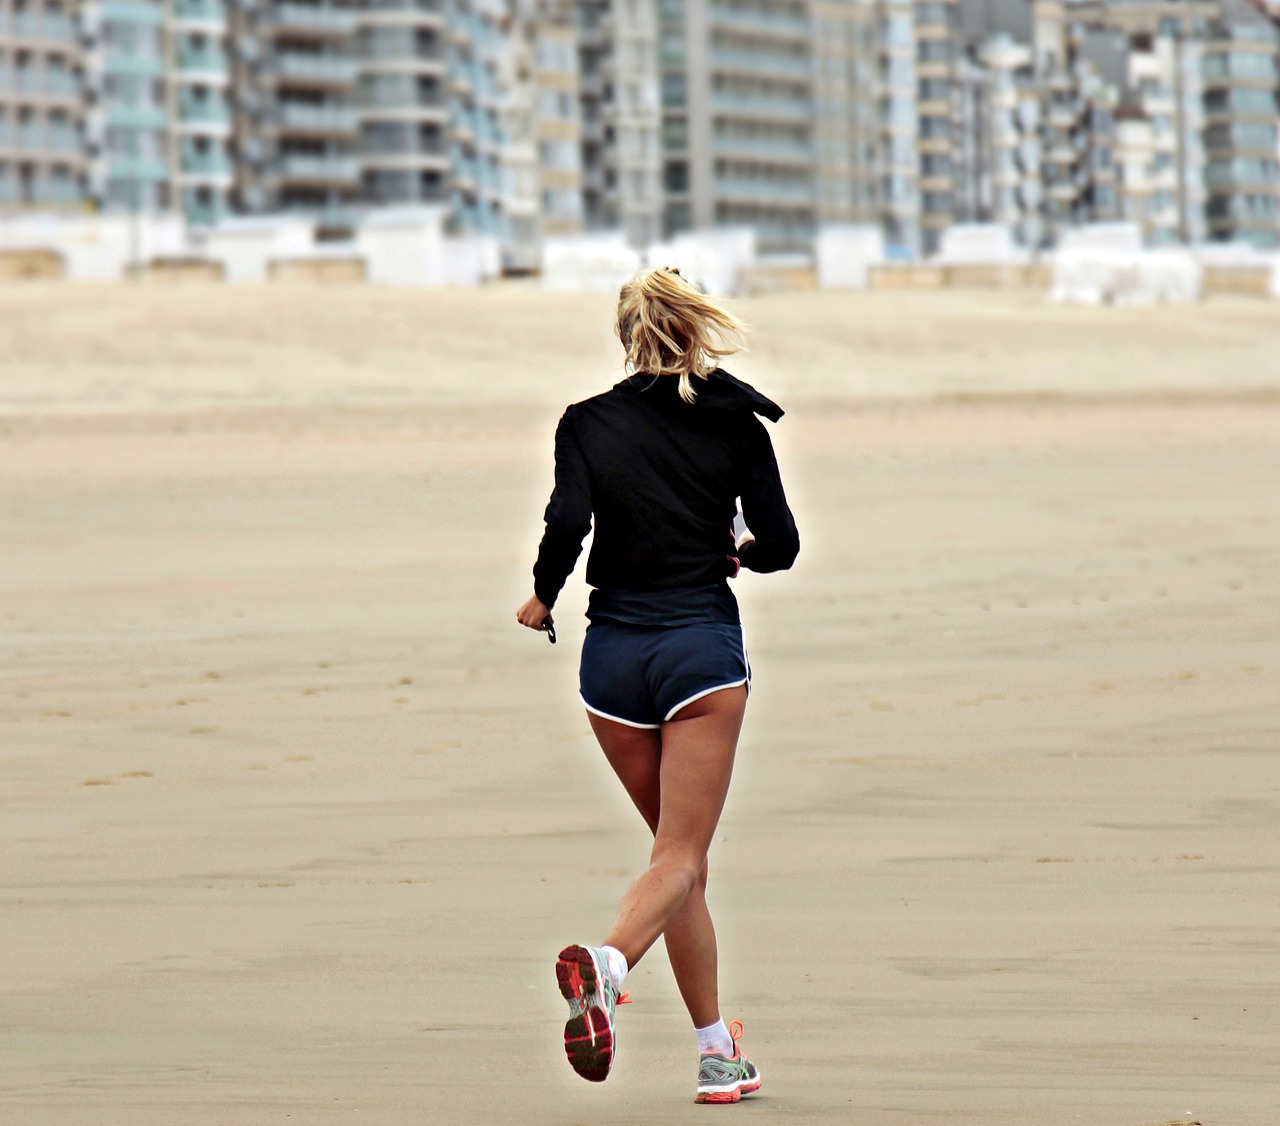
{"points": [[661, 477]]}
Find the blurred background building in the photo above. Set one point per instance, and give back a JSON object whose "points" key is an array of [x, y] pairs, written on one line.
{"points": [[529, 119]]}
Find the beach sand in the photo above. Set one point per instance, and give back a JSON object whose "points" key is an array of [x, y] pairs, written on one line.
{"points": [[294, 817]]}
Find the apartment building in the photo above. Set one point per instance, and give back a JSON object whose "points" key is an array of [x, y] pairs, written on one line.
{"points": [[296, 78], [1241, 115], [937, 59], [1002, 115], [157, 95], [401, 112], [846, 125], [42, 153], [738, 113], [621, 117]]}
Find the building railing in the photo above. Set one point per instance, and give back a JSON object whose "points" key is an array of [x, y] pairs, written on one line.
{"points": [[121, 167], [137, 117], [203, 11], [307, 17], [761, 62], [134, 64], [209, 113], [321, 118], [202, 60], [791, 192], [764, 105], [743, 20], [338, 168], [206, 164], [764, 146], [323, 68]]}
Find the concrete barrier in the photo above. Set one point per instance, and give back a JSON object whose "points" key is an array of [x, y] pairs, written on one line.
{"points": [[845, 255], [183, 271], [338, 270], [247, 246], [782, 276], [993, 275], [906, 275], [1237, 281], [31, 264]]}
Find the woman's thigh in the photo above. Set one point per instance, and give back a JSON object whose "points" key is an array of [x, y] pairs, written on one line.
{"points": [[635, 754], [695, 767]]}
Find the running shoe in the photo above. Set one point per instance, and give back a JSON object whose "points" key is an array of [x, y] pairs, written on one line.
{"points": [[722, 1079], [587, 984]]}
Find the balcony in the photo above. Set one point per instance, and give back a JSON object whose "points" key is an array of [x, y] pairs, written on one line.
{"points": [[776, 191], [412, 154], [205, 114], [403, 13], [209, 13], [48, 28], [319, 169], [137, 116], [298, 118], [213, 165], [762, 62], [50, 84], [136, 168], [404, 53], [779, 24], [762, 105], [134, 65], [316, 70], [194, 61], [313, 20], [767, 147]]}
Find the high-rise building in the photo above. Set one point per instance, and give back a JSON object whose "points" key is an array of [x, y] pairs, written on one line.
{"points": [[621, 117], [1240, 135], [738, 117], [42, 153], [401, 111], [296, 77], [937, 60]]}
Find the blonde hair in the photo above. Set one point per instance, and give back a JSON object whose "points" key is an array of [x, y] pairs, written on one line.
{"points": [[669, 327]]}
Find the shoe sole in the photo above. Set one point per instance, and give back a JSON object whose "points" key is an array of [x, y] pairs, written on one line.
{"points": [[588, 1034], [748, 1088], [728, 1097]]}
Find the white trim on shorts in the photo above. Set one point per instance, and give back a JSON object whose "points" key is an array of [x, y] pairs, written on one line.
{"points": [[619, 719], [698, 696]]}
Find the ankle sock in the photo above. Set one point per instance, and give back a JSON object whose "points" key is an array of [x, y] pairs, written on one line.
{"points": [[715, 1038], [617, 964]]}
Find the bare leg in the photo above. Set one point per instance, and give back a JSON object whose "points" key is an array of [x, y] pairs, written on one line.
{"points": [[693, 767], [690, 937]]}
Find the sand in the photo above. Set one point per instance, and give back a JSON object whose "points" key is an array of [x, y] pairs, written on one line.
{"points": [[293, 816]]}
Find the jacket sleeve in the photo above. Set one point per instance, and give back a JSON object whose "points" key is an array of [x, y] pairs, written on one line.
{"points": [[568, 516], [764, 506]]}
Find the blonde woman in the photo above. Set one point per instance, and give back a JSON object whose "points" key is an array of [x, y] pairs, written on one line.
{"points": [[658, 463]]}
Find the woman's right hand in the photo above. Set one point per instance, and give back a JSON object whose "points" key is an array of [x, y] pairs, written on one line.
{"points": [[533, 614]]}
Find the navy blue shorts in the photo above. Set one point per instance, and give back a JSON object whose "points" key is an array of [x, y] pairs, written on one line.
{"points": [[643, 675]]}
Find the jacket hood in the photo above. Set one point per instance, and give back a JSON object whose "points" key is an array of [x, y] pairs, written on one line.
{"points": [[718, 391]]}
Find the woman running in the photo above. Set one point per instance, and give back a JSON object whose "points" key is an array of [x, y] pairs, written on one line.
{"points": [[659, 462]]}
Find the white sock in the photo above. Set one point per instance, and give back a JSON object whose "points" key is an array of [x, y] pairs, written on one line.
{"points": [[715, 1038], [617, 964]]}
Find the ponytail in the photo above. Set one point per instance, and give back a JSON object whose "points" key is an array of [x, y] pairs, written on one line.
{"points": [[669, 327]]}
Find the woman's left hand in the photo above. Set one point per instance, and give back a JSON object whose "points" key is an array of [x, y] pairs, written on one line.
{"points": [[533, 614]]}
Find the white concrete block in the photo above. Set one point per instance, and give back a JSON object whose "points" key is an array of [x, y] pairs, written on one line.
{"points": [[404, 247], [980, 244], [844, 255], [588, 263], [246, 247]]}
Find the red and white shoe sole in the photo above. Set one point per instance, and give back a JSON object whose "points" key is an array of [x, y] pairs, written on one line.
{"points": [[728, 1096], [588, 1038]]}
